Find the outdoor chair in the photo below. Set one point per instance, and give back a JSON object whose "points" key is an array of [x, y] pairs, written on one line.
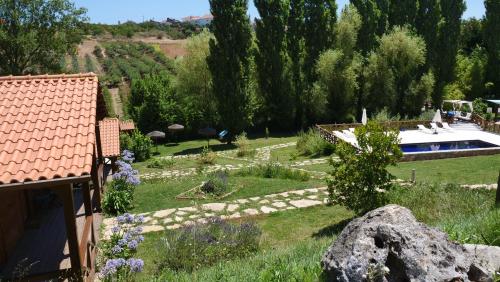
{"points": [[349, 134], [424, 129], [435, 127], [446, 126]]}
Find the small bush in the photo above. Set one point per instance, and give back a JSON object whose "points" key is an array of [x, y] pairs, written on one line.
{"points": [[275, 170], [161, 163], [118, 263], [141, 146], [216, 184], [108, 101], [311, 144], [196, 246], [207, 157], [243, 146], [120, 192]]}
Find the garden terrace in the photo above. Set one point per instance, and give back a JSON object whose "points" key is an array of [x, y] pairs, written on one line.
{"points": [[52, 174]]}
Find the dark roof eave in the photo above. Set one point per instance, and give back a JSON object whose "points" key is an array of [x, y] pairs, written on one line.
{"points": [[42, 184]]}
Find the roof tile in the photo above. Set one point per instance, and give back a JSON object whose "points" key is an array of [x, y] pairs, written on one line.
{"points": [[109, 130], [47, 126]]}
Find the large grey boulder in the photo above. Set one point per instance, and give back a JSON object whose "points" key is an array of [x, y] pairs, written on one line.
{"points": [[389, 244]]}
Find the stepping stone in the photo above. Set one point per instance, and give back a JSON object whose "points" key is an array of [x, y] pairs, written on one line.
{"points": [[255, 199], [251, 211], [279, 204], [267, 210], [167, 220], [264, 202], [189, 222], [242, 201], [189, 209], [174, 226], [164, 213], [314, 190], [299, 192], [270, 196], [305, 203], [291, 208], [194, 216], [180, 213], [284, 194], [235, 215], [312, 197], [216, 207], [202, 221], [151, 228], [147, 219], [232, 207], [178, 219], [209, 215]]}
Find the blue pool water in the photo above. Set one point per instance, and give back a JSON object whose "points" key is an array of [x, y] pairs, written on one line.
{"points": [[446, 146]]}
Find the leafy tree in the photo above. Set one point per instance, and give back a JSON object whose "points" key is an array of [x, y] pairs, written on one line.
{"points": [[338, 69], [383, 21], [154, 104], [295, 45], [393, 76], [448, 36], [471, 35], [426, 24], [272, 61], [229, 62], [320, 17], [402, 12], [360, 180], [492, 42], [35, 34], [470, 76], [194, 82]]}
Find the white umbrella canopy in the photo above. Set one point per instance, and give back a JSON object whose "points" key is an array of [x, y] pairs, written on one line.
{"points": [[437, 117], [364, 119]]}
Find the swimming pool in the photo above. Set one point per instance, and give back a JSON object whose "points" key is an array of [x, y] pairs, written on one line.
{"points": [[446, 146]]}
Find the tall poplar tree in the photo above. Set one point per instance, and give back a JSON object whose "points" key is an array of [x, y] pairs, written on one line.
{"points": [[426, 24], [229, 62], [295, 38], [403, 12], [448, 39], [492, 42], [272, 61], [370, 15], [320, 18]]}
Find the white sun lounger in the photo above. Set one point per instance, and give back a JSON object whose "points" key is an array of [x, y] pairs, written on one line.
{"points": [[446, 126], [424, 129], [348, 134], [352, 129], [435, 127]]}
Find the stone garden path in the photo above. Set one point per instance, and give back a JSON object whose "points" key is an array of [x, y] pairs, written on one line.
{"points": [[178, 217]]}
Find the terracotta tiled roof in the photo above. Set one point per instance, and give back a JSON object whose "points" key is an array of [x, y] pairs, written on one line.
{"points": [[47, 126], [127, 125], [109, 132]]}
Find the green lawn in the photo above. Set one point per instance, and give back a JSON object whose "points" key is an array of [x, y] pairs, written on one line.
{"points": [[316, 226], [471, 170], [152, 197]]}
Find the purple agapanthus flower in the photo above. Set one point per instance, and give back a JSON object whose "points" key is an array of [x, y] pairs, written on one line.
{"points": [[136, 265], [128, 156], [116, 249], [133, 245], [115, 229], [112, 266]]}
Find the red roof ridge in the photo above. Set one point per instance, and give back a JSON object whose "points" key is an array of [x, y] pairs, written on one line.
{"points": [[47, 76]]}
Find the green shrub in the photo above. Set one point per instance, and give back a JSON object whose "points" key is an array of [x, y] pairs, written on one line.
{"points": [[118, 197], [161, 163], [243, 146], [207, 157], [274, 170], [216, 184], [126, 142], [75, 65], [482, 228], [311, 144], [360, 180], [479, 106], [141, 146], [89, 64], [196, 246]]}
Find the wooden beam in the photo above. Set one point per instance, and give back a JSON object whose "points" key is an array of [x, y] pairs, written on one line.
{"points": [[44, 184], [66, 195]]}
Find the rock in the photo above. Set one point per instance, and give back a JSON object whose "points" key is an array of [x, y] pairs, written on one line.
{"points": [[391, 242], [164, 213], [251, 211], [267, 210], [489, 255], [232, 207], [215, 207]]}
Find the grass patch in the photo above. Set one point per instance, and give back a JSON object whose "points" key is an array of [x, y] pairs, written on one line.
{"points": [[471, 170], [310, 143], [160, 163], [108, 101], [274, 170]]}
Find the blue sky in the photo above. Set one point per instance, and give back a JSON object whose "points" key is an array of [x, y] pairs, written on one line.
{"points": [[112, 11]]}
